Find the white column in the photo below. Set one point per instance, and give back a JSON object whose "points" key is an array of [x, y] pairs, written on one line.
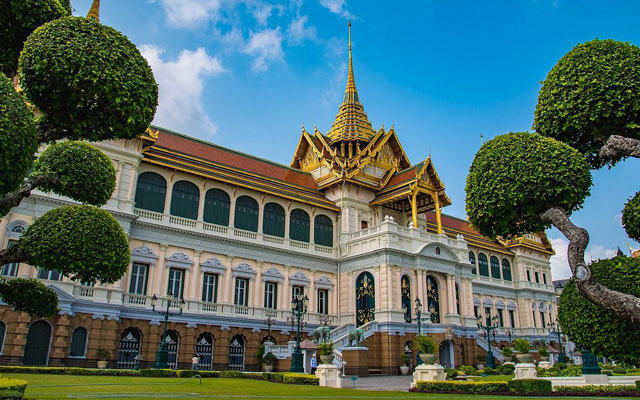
{"points": [[286, 289], [203, 191], [451, 294], [134, 178], [228, 282], [258, 289], [390, 289], [158, 272], [195, 276], [313, 296]]}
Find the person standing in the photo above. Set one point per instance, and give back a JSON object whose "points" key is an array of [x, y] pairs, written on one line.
{"points": [[314, 364], [194, 362]]}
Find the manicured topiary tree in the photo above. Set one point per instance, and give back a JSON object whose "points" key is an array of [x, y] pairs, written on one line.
{"points": [[80, 80], [593, 327], [521, 183]]}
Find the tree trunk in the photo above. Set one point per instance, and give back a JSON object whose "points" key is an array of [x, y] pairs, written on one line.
{"points": [[618, 147], [626, 306]]}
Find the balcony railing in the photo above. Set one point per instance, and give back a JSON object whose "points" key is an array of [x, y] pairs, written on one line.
{"points": [[235, 233]]}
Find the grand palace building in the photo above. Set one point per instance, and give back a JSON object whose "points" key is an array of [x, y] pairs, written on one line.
{"points": [[351, 223]]}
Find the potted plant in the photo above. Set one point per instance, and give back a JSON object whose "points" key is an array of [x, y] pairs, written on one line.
{"points": [[426, 347], [405, 360], [103, 356], [326, 353], [523, 347], [544, 354], [507, 352], [269, 359], [481, 358]]}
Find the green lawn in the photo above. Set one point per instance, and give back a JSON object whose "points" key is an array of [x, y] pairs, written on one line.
{"points": [[492, 378], [93, 387]]}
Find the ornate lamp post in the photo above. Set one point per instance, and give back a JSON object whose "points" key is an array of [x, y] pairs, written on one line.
{"points": [[490, 326], [269, 322], [162, 356], [299, 306], [555, 328], [418, 319]]}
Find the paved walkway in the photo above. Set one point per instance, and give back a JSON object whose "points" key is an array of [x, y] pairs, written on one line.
{"points": [[381, 383]]}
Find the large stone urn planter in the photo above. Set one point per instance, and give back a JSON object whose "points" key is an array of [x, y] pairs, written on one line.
{"points": [[102, 364], [428, 359], [404, 370], [327, 358]]}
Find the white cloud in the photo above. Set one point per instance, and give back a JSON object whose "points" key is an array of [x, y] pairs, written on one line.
{"points": [[337, 7], [560, 264], [266, 47], [181, 82], [298, 32], [189, 13]]}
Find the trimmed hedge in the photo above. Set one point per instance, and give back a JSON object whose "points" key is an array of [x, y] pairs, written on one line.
{"points": [[463, 387], [67, 371], [301, 379], [595, 388], [11, 395], [158, 373], [17, 385], [638, 386], [530, 386]]}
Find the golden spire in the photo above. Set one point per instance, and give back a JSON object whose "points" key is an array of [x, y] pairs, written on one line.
{"points": [[94, 12], [351, 123]]}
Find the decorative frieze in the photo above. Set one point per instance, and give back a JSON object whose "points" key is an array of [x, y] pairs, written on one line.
{"points": [[272, 275], [299, 278], [244, 270], [212, 265], [179, 260], [144, 254], [324, 283]]}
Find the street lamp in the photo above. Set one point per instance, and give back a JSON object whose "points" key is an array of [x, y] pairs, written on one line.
{"points": [[162, 356], [418, 319], [489, 325], [555, 328], [269, 322], [299, 304]]}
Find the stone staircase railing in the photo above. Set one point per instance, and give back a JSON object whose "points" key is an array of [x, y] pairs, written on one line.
{"points": [[340, 337], [496, 351]]}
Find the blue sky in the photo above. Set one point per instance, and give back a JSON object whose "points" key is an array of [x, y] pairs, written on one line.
{"points": [[248, 74]]}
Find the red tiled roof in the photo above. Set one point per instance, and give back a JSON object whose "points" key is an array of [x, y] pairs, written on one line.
{"points": [[403, 176], [453, 226], [234, 159]]}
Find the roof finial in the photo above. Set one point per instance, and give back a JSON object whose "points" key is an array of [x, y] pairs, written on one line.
{"points": [[349, 40], [94, 12], [350, 95]]}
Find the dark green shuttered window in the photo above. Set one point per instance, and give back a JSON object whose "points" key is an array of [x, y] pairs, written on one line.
{"points": [[151, 192], [483, 265], [216, 207], [78, 343], [273, 220], [495, 267], [405, 291], [185, 198], [323, 230], [506, 269], [299, 225], [246, 214], [472, 260]]}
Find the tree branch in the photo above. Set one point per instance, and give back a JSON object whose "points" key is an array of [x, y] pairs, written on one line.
{"points": [[13, 199], [624, 305], [618, 147], [13, 254]]}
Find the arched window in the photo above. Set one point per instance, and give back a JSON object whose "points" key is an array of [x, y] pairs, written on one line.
{"points": [[483, 265], [78, 343], [299, 225], [173, 343], [405, 291], [273, 220], [36, 350], [246, 214], [506, 270], [458, 299], [185, 198], [236, 353], [495, 267], [3, 332], [472, 260], [204, 350], [151, 192], [365, 298], [216, 207], [323, 230], [433, 299], [129, 348]]}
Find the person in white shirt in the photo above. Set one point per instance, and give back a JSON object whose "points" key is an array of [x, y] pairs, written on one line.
{"points": [[194, 361]]}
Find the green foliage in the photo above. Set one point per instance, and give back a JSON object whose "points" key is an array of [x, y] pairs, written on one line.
{"points": [[591, 93], [85, 173], [619, 370], [543, 352], [103, 355], [30, 296], [425, 344], [18, 18], [561, 365], [631, 217], [325, 349], [67, 371], [18, 141], [590, 326], [17, 385], [507, 351], [505, 369], [405, 359], [530, 386], [269, 358], [83, 242], [489, 371], [301, 379], [638, 386], [468, 369], [467, 387], [158, 373], [521, 345], [11, 394], [517, 176], [89, 81], [594, 389]]}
